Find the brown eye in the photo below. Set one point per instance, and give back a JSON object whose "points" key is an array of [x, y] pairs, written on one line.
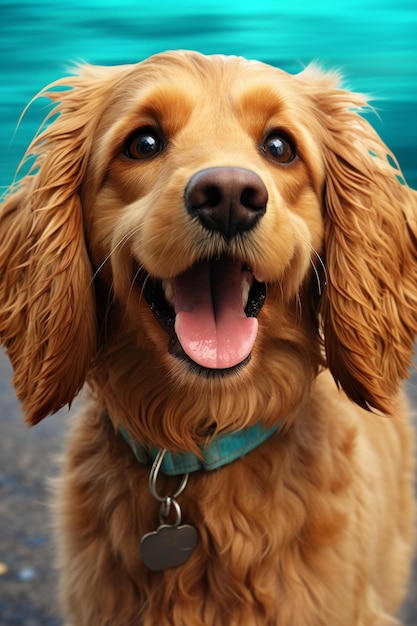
{"points": [[143, 144], [279, 147]]}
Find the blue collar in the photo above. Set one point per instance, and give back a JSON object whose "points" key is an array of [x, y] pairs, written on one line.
{"points": [[221, 450]]}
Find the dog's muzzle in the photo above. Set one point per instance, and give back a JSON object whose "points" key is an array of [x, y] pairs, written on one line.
{"points": [[210, 311]]}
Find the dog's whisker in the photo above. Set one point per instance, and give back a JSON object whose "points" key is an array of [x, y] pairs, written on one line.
{"points": [[134, 282], [120, 243], [322, 264], [317, 273], [318, 279]]}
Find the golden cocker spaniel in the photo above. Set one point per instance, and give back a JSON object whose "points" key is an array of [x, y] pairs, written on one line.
{"points": [[227, 255]]}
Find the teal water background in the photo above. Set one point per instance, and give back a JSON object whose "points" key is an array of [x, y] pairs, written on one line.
{"points": [[373, 43]]}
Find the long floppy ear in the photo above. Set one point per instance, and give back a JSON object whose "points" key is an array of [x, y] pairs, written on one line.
{"points": [[47, 307], [369, 309]]}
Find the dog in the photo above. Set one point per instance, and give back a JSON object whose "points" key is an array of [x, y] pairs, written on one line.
{"points": [[225, 256]]}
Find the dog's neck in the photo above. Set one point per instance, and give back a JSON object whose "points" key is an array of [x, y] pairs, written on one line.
{"points": [[220, 450]]}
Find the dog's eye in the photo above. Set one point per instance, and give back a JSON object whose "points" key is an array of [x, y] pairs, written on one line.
{"points": [[143, 144], [279, 147]]}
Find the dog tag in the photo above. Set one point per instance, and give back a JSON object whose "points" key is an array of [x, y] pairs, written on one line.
{"points": [[168, 546]]}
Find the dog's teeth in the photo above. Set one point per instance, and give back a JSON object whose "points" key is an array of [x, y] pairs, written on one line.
{"points": [[168, 291], [245, 292]]}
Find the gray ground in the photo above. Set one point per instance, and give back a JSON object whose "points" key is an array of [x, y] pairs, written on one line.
{"points": [[27, 459]]}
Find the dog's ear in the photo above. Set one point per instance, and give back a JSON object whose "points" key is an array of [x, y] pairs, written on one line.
{"points": [[47, 308], [369, 308]]}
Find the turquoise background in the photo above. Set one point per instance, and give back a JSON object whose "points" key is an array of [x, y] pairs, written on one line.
{"points": [[374, 43]]}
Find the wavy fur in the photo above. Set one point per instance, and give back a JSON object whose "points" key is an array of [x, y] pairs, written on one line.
{"points": [[316, 526]]}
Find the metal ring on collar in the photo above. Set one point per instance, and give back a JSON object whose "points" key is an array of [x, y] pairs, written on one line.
{"points": [[170, 505], [156, 466]]}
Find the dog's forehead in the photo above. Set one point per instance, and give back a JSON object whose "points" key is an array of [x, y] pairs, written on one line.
{"points": [[185, 80]]}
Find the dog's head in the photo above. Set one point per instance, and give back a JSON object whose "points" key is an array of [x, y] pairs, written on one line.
{"points": [[226, 216]]}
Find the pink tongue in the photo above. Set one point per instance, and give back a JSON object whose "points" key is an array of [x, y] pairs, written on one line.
{"points": [[210, 322]]}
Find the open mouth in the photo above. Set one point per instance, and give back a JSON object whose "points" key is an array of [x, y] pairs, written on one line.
{"points": [[209, 313]]}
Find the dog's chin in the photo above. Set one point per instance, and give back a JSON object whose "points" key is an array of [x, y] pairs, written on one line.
{"points": [[163, 301]]}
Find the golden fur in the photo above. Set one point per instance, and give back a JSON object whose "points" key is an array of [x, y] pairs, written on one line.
{"points": [[314, 527]]}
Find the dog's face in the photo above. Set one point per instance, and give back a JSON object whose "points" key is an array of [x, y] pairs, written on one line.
{"points": [[207, 197], [201, 227]]}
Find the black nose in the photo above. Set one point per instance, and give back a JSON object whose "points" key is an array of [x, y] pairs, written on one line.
{"points": [[228, 200]]}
